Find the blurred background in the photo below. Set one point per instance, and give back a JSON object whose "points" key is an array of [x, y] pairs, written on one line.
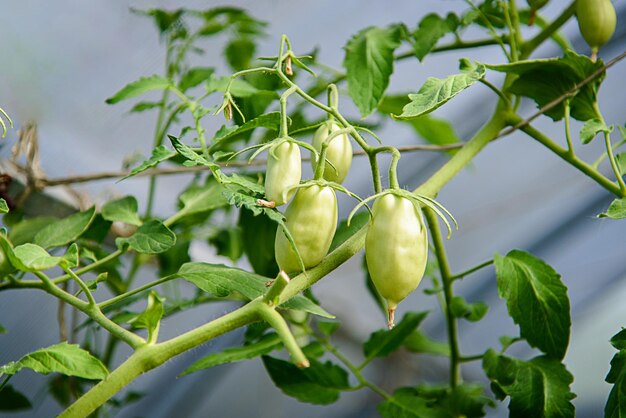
{"points": [[60, 60]]}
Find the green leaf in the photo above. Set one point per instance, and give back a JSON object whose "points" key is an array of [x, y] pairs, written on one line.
{"points": [[143, 106], [464, 400], [12, 400], [436, 92], [431, 28], [239, 53], [616, 403], [536, 300], [159, 154], [383, 342], [122, 210], [194, 76], [141, 86], [192, 157], [369, 64], [436, 131], [222, 281], [591, 128], [269, 120], [257, 231], [471, 311], [344, 231], [237, 182], [150, 238], [171, 260], [267, 344], [70, 258], [619, 340], [302, 303], [544, 80], [620, 159], [32, 258], [4, 208], [228, 242], [65, 230], [616, 210], [238, 88], [537, 388], [328, 327], [25, 230], [68, 359], [319, 384], [418, 342], [150, 318], [408, 403], [202, 199]]}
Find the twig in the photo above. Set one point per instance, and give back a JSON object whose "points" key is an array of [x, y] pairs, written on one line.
{"points": [[185, 170]]}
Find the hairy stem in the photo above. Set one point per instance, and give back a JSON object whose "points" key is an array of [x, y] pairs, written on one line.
{"points": [[572, 159], [446, 277]]}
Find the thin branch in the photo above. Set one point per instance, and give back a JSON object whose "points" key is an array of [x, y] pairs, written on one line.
{"points": [[105, 175]]}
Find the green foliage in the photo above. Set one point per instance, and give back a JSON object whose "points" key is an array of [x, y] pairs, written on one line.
{"points": [[473, 312], [225, 206], [222, 281], [159, 154], [267, 344], [616, 403], [418, 342], [616, 210], [319, 384], [369, 63], [591, 128], [431, 29], [545, 79], [151, 238], [151, 317], [537, 388], [122, 210], [68, 359], [65, 230], [536, 299], [11, 400], [139, 87], [31, 258], [383, 342], [436, 92]]}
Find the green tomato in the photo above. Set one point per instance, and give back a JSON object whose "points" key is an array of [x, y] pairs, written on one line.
{"points": [[311, 219], [284, 170], [596, 20], [396, 248], [338, 153]]}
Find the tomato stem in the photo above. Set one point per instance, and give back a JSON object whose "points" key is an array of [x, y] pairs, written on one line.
{"points": [[448, 293]]}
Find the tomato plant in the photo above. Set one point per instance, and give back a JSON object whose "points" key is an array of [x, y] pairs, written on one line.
{"points": [[279, 106]]}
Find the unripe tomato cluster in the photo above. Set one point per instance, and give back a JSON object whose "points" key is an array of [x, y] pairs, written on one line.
{"points": [[396, 244], [596, 20]]}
